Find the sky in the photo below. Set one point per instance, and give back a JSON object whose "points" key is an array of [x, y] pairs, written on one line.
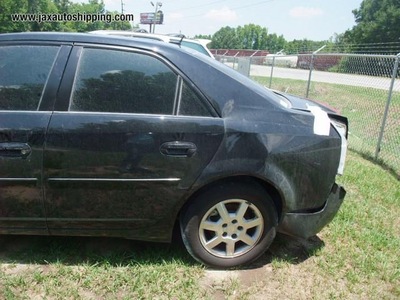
{"points": [[294, 19]]}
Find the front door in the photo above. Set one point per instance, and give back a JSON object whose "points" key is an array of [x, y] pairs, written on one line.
{"points": [[24, 75]]}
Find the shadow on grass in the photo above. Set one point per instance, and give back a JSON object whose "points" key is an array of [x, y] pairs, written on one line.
{"points": [[289, 249], [89, 251], [43, 250], [380, 162]]}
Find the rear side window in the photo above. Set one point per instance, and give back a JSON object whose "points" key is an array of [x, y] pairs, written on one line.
{"points": [[109, 80], [23, 74], [191, 104]]}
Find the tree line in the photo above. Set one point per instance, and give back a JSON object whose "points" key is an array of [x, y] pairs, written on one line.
{"points": [[377, 30], [255, 37]]}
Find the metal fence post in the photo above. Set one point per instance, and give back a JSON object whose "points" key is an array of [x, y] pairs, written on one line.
{"points": [[234, 59], [311, 69], [385, 115], [272, 72]]}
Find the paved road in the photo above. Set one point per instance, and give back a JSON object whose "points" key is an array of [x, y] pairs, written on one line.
{"points": [[327, 77]]}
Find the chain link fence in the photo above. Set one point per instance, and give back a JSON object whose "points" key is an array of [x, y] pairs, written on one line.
{"points": [[364, 88]]}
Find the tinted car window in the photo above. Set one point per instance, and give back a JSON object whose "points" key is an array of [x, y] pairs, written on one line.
{"points": [[195, 46], [21, 79], [119, 81], [191, 104]]}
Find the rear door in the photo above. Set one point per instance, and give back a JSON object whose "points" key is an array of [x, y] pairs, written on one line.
{"points": [[28, 81], [119, 159]]}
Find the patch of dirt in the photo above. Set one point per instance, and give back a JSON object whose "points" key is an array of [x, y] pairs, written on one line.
{"points": [[282, 272]]}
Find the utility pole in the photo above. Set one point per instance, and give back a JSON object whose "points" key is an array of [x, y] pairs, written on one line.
{"points": [[122, 7], [157, 5]]}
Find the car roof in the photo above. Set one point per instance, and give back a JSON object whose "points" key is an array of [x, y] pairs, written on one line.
{"points": [[126, 33], [62, 37], [198, 45], [74, 37]]}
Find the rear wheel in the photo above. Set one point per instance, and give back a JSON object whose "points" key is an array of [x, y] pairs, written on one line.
{"points": [[229, 225]]}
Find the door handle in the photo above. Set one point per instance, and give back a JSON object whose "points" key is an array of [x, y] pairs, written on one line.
{"points": [[10, 149], [178, 149]]}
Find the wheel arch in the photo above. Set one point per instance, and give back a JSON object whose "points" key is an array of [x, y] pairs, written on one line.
{"points": [[271, 190]]}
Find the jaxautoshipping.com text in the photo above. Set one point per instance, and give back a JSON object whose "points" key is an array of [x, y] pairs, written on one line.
{"points": [[77, 17]]}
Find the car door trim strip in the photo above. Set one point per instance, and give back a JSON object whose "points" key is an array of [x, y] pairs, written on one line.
{"points": [[114, 179]]}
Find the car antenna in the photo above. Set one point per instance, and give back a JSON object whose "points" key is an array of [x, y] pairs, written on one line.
{"points": [[178, 42]]}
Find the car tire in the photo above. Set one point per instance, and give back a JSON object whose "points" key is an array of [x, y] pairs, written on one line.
{"points": [[229, 225]]}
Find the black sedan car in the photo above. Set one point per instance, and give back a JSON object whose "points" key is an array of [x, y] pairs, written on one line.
{"points": [[124, 137]]}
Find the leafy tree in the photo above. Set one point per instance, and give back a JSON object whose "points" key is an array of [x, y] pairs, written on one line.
{"points": [[304, 46], [275, 43], [93, 7], [255, 37], [203, 36], [42, 7], [8, 7], [378, 21], [252, 36], [225, 38], [62, 5], [249, 36]]}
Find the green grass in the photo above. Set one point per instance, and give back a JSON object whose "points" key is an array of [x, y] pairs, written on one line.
{"points": [[87, 268], [363, 106], [357, 255], [366, 232], [354, 257]]}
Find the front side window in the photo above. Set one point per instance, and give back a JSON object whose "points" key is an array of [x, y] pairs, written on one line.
{"points": [[109, 80], [24, 71]]}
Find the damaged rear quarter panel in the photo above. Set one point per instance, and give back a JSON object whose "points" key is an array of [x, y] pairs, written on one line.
{"points": [[283, 152]]}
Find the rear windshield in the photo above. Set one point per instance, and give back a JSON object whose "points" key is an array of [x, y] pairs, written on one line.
{"points": [[195, 46]]}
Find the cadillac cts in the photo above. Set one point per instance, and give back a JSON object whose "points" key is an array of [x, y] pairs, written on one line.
{"points": [[125, 137]]}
